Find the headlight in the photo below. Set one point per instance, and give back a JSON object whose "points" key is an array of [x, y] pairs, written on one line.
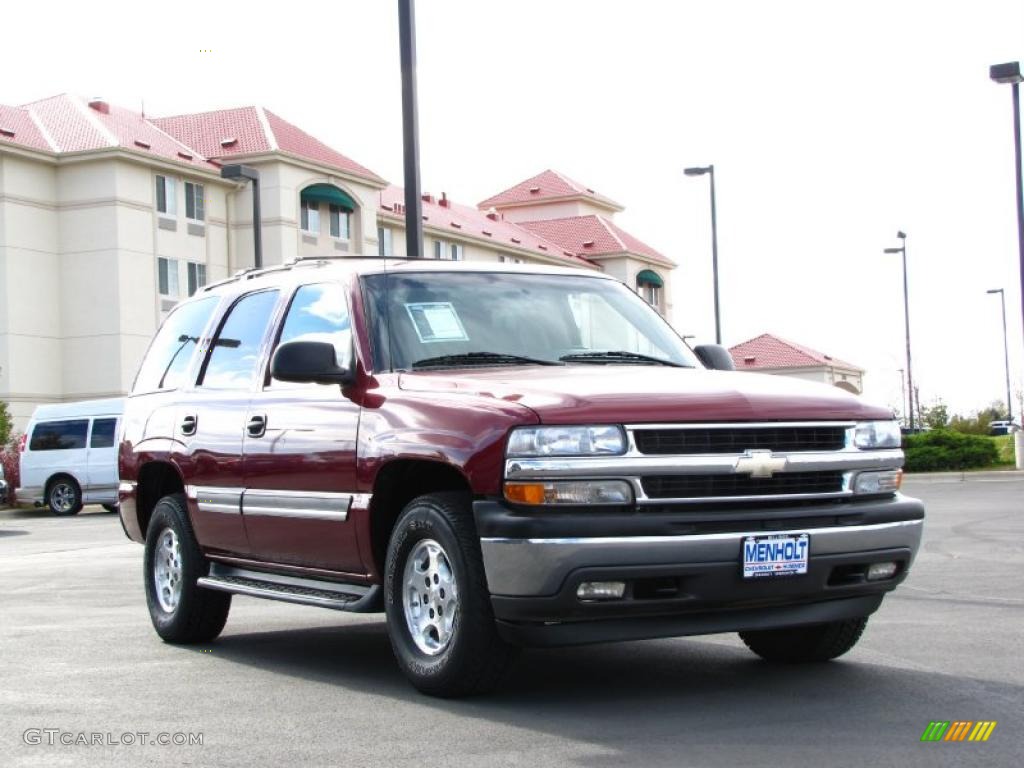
{"points": [[589, 492], [877, 434], [527, 442]]}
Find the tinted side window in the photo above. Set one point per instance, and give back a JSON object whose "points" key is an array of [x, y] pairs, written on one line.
{"points": [[235, 351], [59, 435], [167, 361], [319, 313], [103, 433]]}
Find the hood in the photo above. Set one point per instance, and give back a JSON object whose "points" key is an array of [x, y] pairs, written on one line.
{"points": [[617, 394]]}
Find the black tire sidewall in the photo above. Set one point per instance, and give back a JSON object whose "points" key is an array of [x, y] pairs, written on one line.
{"points": [[69, 481], [422, 520], [170, 513]]}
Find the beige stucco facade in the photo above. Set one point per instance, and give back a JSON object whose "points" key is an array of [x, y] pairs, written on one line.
{"points": [[81, 244]]}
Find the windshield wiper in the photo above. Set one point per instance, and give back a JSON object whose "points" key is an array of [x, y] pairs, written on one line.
{"points": [[479, 358], [617, 356]]}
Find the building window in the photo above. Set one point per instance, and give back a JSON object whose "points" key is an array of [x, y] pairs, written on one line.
{"points": [[194, 205], [510, 260], [196, 277], [651, 294], [310, 217], [166, 197], [167, 277], [384, 242], [339, 222], [443, 250]]}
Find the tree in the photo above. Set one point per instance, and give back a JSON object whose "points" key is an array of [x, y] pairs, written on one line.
{"points": [[6, 424], [935, 416]]}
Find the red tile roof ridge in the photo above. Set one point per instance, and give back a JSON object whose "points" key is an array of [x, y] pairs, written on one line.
{"points": [[816, 357]]}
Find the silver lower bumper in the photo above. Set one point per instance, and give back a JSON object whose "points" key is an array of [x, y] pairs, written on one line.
{"points": [[536, 567]]}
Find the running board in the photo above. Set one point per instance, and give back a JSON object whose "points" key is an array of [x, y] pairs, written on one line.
{"points": [[355, 598]]}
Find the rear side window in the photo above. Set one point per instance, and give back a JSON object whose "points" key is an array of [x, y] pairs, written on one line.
{"points": [[166, 363], [59, 435], [103, 433], [235, 352]]}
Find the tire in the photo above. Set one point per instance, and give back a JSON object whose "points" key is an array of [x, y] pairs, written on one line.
{"points": [[797, 645], [63, 496], [461, 654], [181, 611], [111, 508]]}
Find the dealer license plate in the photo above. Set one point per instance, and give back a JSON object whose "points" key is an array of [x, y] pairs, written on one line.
{"points": [[777, 555]]}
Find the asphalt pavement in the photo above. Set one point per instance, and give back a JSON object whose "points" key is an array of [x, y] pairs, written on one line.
{"points": [[302, 686]]}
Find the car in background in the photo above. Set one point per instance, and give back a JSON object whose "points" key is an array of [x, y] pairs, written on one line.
{"points": [[1003, 427], [69, 455]]}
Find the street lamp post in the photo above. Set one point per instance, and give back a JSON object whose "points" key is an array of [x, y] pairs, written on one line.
{"points": [[710, 171], [1010, 74], [410, 130], [1006, 353], [902, 250], [248, 173]]}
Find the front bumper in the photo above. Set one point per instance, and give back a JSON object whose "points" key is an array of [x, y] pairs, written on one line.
{"points": [[684, 583]]}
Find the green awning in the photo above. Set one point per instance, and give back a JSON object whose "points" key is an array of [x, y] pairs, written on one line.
{"points": [[325, 193], [649, 277]]}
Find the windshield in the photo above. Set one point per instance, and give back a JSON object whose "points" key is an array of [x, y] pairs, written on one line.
{"points": [[473, 319]]}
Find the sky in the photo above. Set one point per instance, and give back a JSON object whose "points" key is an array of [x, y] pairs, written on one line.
{"points": [[830, 126]]}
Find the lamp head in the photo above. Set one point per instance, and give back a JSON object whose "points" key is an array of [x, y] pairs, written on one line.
{"points": [[995, 290], [236, 171], [1007, 73], [901, 235], [697, 171]]}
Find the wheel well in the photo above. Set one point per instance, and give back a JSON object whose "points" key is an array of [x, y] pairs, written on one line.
{"points": [[398, 483], [156, 480], [55, 476]]}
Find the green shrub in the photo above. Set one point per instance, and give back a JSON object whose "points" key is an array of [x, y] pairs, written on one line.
{"points": [[945, 449]]}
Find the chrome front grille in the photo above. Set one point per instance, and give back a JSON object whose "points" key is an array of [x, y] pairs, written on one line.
{"points": [[730, 439], [711, 464]]}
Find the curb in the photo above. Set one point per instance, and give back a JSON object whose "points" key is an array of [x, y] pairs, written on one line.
{"points": [[998, 474]]}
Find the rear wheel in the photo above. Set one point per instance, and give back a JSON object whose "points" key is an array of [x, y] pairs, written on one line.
{"points": [[111, 508], [63, 496], [438, 606], [793, 645], [181, 611]]}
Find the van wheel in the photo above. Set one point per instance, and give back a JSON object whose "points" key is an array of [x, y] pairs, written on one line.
{"points": [[820, 642], [438, 607], [181, 611], [111, 508], [63, 496]]}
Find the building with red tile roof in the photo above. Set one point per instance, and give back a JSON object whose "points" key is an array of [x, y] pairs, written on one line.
{"points": [[771, 354], [130, 210]]}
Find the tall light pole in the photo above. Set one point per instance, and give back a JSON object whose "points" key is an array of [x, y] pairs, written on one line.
{"points": [[247, 173], [1010, 74], [1006, 353], [902, 250], [410, 130], [710, 171]]}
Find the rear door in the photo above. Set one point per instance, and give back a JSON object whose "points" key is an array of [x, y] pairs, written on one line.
{"points": [[102, 460], [212, 418], [300, 449], [57, 447]]}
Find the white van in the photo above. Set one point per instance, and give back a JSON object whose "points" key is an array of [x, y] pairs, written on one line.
{"points": [[69, 456]]}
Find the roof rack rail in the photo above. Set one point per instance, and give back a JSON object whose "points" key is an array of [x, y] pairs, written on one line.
{"points": [[298, 259]]}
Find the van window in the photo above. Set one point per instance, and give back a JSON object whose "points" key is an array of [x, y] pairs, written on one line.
{"points": [[103, 433], [167, 361], [235, 351], [59, 435], [319, 313]]}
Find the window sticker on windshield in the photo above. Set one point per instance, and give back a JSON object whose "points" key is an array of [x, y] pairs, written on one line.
{"points": [[436, 321]]}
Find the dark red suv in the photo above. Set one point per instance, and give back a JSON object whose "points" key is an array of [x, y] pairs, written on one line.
{"points": [[498, 456]]}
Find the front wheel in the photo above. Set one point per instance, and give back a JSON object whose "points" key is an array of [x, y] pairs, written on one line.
{"points": [[181, 611], [438, 606], [794, 645]]}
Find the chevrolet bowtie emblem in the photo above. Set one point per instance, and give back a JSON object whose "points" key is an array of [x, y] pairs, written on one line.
{"points": [[759, 464]]}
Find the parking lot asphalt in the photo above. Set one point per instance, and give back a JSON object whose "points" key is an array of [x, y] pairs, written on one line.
{"points": [[302, 686]]}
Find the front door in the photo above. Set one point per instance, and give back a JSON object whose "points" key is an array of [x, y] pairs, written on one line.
{"points": [[300, 450]]}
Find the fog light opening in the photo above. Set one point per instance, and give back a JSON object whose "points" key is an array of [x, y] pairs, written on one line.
{"points": [[601, 590], [882, 571]]}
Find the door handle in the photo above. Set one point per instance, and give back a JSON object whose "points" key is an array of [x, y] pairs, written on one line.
{"points": [[189, 424], [257, 426]]}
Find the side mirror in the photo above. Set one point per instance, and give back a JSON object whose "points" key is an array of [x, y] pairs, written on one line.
{"points": [[715, 357], [308, 361]]}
